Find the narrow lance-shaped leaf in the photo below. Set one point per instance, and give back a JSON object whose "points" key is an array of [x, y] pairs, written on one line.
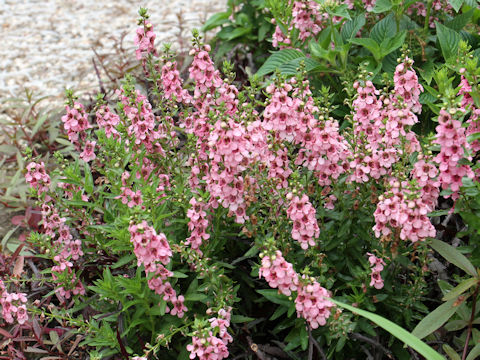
{"points": [[452, 255], [397, 331], [435, 319], [460, 289]]}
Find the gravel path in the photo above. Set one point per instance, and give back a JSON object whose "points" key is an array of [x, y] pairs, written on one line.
{"points": [[46, 45]]}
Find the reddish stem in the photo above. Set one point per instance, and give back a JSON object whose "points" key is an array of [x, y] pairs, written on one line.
{"points": [[470, 323]]}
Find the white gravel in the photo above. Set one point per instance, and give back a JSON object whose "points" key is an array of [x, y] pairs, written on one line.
{"points": [[46, 45]]}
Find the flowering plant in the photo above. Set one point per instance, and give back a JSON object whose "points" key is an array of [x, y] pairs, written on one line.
{"points": [[173, 193]]}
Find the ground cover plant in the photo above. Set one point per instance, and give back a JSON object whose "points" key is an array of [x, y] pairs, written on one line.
{"points": [[268, 217]]}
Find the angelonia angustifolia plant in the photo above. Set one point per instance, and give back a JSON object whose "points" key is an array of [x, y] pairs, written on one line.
{"points": [[152, 230]]}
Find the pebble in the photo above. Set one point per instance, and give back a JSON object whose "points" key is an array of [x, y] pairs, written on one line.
{"points": [[47, 44]]}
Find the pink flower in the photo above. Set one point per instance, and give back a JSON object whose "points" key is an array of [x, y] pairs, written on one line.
{"points": [[37, 178], [279, 273], [313, 305], [88, 153]]}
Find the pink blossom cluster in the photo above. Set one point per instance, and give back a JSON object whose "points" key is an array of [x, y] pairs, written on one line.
{"points": [[407, 85], [400, 209], [75, 287], [279, 38], [162, 287], [211, 347], [279, 273], [75, 123], [203, 72], [148, 246], [13, 305], [197, 225], [142, 120], [229, 157], [380, 124], [452, 139], [418, 8], [425, 173], [305, 227], [108, 120], [313, 304], [67, 248], [145, 41], [468, 103], [376, 266], [290, 115], [369, 4], [37, 177], [154, 252], [278, 167], [172, 83]]}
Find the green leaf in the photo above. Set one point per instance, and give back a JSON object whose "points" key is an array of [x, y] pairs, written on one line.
{"points": [[342, 11], [352, 27], [392, 44], [124, 260], [395, 330], [235, 33], [460, 289], [452, 354], [215, 21], [370, 44], [448, 39], [435, 319], [241, 319], [456, 4], [88, 179], [384, 29], [459, 21], [453, 256], [382, 6], [275, 297], [38, 124], [196, 297], [473, 137], [277, 59], [474, 353]]}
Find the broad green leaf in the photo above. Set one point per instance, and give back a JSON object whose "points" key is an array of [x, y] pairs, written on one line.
{"points": [[382, 6], [459, 21], [277, 59], [342, 11], [448, 39], [236, 33], [352, 27], [456, 4], [384, 29], [216, 20], [453, 256], [435, 319], [460, 289], [397, 331], [291, 68], [393, 43], [370, 44]]}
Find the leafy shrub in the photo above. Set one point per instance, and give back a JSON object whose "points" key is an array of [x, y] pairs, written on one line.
{"points": [[151, 230]]}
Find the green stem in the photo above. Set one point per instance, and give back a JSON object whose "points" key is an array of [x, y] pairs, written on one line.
{"points": [[427, 17]]}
